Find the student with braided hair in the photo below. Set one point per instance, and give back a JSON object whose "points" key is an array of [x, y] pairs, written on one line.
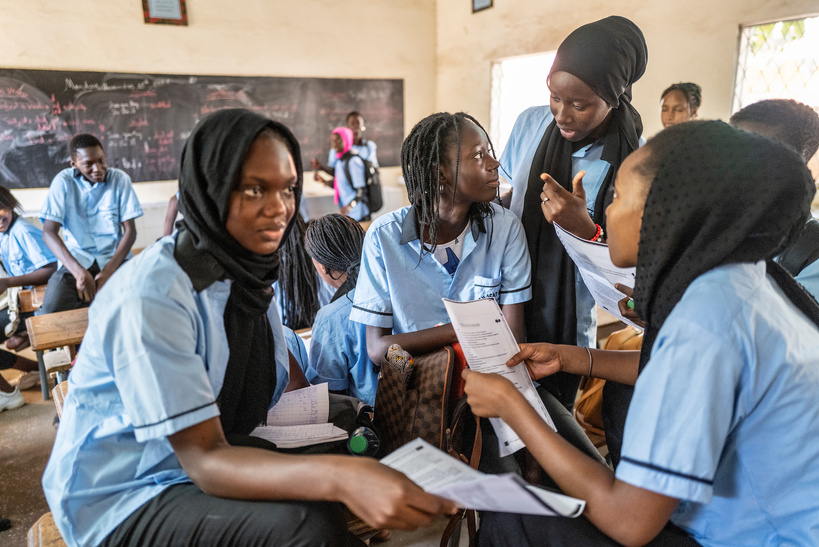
{"points": [[297, 286], [338, 347], [679, 103]]}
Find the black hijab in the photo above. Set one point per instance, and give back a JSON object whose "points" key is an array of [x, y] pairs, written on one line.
{"points": [[211, 167], [608, 56], [719, 196]]}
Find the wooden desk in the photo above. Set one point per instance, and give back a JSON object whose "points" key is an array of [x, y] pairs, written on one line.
{"points": [[55, 330], [32, 299]]}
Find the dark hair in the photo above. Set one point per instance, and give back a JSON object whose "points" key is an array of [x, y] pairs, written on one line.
{"points": [[790, 121], [335, 242], [297, 280], [423, 153], [83, 140], [692, 92], [7, 200], [351, 114]]}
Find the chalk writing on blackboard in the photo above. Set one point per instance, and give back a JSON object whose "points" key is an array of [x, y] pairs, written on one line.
{"points": [[144, 119]]}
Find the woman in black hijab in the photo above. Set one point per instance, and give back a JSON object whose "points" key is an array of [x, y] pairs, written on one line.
{"points": [[729, 365], [589, 128], [185, 355]]}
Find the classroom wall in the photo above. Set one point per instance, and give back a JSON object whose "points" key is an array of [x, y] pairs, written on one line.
{"points": [[695, 40], [322, 38]]}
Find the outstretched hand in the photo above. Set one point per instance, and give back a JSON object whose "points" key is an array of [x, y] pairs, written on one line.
{"points": [[566, 208], [488, 395], [541, 359]]}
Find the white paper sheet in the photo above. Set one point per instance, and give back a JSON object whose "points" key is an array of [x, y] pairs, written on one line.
{"points": [[309, 405], [599, 274], [293, 436], [487, 343], [438, 473]]}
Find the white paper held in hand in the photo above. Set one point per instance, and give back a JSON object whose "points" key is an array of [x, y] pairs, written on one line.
{"points": [[598, 272], [487, 343], [439, 473]]}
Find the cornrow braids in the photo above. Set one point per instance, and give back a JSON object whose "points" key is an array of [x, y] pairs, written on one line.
{"points": [[297, 280], [424, 152], [335, 241], [692, 92]]}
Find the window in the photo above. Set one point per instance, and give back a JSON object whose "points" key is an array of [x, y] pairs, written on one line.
{"points": [[778, 60], [517, 84]]}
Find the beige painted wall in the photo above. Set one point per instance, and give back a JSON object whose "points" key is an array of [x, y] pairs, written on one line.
{"points": [[694, 40], [384, 39]]}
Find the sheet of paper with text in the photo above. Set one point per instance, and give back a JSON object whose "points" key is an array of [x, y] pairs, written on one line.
{"points": [[488, 343]]}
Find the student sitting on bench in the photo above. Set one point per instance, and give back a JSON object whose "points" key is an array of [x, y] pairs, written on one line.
{"points": [[182, 360], [96, 207]]}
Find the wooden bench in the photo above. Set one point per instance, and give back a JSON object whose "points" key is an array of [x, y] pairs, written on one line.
{"points": [[52, 331], [32, 299]]}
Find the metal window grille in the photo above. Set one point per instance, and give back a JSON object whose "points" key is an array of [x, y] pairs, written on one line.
{"points": [[778, 60]]}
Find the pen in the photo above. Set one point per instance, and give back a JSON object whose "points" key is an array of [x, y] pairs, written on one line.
{"points": [[630, 304]]}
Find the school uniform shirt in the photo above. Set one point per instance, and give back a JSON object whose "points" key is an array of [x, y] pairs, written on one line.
{"points": [[91, 214], [22, 249], [809, 278], [367, 150], [347, 189], [516, 162], [338, 352], [724, 415], [152, 364], [397, 291]]}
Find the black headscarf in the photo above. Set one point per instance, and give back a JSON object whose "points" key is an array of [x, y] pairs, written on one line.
{"points": [[211, 167], [608, 56], [719, 196]]}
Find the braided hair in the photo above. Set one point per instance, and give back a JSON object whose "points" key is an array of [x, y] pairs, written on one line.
{"points": [[335, 242], [8, 201], [423, 153], [692, 92], [297, 280]]}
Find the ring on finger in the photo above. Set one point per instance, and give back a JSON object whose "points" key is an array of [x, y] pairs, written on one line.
{"points": [[545, 199]]}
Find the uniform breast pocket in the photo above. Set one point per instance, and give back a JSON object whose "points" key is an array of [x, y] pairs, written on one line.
{"points": [[486, 287], [106, 230]]}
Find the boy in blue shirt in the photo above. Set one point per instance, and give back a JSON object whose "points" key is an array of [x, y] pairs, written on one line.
{"points": [[96, 207]]}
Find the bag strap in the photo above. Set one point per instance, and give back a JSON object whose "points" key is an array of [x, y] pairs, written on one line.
{"points": [[804, 250]]}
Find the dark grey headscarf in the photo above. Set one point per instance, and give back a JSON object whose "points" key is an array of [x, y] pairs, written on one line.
{"points": [[210, 169]]}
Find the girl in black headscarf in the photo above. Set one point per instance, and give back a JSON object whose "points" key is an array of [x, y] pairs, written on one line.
{"points": [[588, 129], [182, 360], [730, 360]]}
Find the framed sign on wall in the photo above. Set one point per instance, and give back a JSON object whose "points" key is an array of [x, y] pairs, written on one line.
{"points": [[478, 5], [165, 12]]}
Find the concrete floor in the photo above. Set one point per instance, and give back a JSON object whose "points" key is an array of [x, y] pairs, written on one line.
{"points": [[27, 435]]}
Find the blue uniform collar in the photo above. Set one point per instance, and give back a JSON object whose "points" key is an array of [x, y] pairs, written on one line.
{"points": [[409, 227]]}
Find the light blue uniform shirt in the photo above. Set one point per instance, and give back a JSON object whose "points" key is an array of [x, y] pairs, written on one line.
{"points": [[338, 352], [347, 188], [295, 345], [366, 150], [397, 292], [22, 248], [725, 414], [152, 364], [809, 278], [91, 214]]}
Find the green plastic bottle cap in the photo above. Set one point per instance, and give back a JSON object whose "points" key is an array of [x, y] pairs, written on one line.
{"points": [[359, 444]]}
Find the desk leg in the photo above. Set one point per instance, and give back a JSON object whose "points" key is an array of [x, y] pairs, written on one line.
{"points": [[43, 377]]}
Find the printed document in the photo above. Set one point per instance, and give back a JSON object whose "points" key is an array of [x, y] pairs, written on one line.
{"points": [[599, 274], [488, 343], [439, 473]]}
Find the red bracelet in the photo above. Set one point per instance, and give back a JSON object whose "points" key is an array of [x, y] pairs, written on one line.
{"points": [[598, 234]]}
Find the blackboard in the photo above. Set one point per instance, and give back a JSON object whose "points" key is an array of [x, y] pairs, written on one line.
{"points": [[144, 119]]}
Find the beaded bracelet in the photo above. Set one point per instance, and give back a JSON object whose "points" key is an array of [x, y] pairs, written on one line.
{"points": [[598, 234]]}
